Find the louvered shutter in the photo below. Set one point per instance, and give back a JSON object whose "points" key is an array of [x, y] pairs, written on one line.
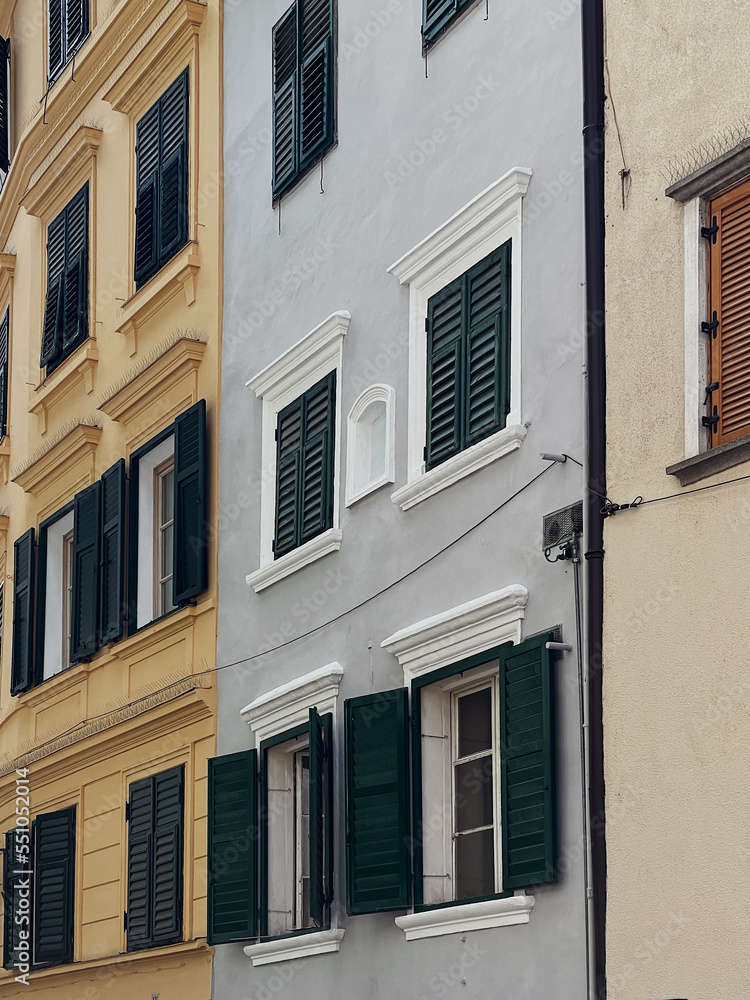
{"points": [[316, 476], [75, 280], [4, 347], [112, 573], [168, 839], [316, 79], [86, 557], [56, 29], [729, 304], [487, 395], [232, 847], [435, 15], [527, 755], [173, 169], [23, 613], [4, 104], [377, 819], [17, 866], [285, 62], [147, 179], [76, 25], [140, 863], [54, 887], [288, 464], [53, 308], [191, 505], [321, 819], [444, 373]]}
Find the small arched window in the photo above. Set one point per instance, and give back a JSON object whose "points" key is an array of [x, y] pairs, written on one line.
{"points": [[371, 460]]}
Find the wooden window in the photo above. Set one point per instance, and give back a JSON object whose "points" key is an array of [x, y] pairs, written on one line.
{"points": [[67, 597], [68, 28], [302, 839], [54, 888], [163, 537], [728, 322]]}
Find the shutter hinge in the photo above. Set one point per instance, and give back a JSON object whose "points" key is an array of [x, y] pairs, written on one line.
{"points": [[125, 920], [709, 232], [710, 328], [276, 434], [273, 545], [427, 324], [711, 421], [424, 453], [127, 811], [709, 389]]}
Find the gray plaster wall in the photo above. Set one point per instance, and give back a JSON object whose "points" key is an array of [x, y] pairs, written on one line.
{"points": [[505, 92]]}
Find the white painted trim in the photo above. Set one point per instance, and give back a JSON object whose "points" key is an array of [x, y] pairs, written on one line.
{"points": [[299, 946], [316, 548], [373, 394], [427, 484], [53, 596], [145, 570], [288, 705], [696, 343], [488, 221], [460, 632], [466, 917]]}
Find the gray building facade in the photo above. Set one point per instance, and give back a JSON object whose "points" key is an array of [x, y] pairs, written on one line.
{"points": [[403, 339]]}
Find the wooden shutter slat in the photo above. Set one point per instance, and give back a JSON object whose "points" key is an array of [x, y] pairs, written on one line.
{"points": [[140, 854], [288, 465], [316, 493], [56, 40], [22, 674], [4, 104], [444, 360], [147, 170], [173, 230], [190, 566], [320, 817], [4, 370], [316, 79], [112, 575], [86, 557], [285, 60], [54, 887], [76, 25], [167, 872]]}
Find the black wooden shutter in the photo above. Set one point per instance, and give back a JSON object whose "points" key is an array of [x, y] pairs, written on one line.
{"points": [[4, 104], [56, 40], [17, 868], [86, 558], [54, 887], [285, 100], [316, 79], [191, 504], [288, 464], [4, 385], [23, 613], [316, 476], [147, 179], [444, 373], [377, 818], [173, 169], [232, 847], [140, 863], [168, 840], [76, 25], [53, 307], [321, 819], [527, 754], [487, 397], [112, 572], [76, 277]]}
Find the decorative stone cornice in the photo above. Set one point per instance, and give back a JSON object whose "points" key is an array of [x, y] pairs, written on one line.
{"points": [[76, 446], [56, 184], [288, 706]]}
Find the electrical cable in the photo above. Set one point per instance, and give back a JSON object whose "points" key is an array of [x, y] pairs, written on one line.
{"points": [[610, 508]]}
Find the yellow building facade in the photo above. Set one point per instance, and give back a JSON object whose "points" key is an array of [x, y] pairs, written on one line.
{"points": [[110, 226]]}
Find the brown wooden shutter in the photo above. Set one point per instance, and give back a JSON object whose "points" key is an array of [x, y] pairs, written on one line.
{"points": [[729, 304]]}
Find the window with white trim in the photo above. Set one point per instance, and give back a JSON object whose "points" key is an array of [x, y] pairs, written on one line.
{"points": [[58, 591], [371, 457]]}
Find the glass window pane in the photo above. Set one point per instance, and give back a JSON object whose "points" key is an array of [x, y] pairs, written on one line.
{"points": [[167, 551], [475, 722], [475, 864], [474, 789], [377, 445], [167, 496]]}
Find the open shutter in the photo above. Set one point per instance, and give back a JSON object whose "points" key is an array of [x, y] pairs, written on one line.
{"points": [[4, 104], [232, 847], [76, 25], [147, 178], [168, 840], [54, 887], [191, 506], [377, 819], [288, 464], [445, 324], [316, 479], [17, 865], [85, 602], [112, 573], [487, 345], [140, 863], [4, 346], [316, 79], [173, 173], [321, 819], [285, 36], [23, 613], [56, 41], [53, 307], [75, 280], [527, 753]]}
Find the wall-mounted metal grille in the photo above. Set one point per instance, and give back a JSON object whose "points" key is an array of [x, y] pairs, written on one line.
{"points": [[562, 525]]}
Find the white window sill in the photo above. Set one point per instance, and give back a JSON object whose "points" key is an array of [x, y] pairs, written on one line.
{"points": [[365, 491], [461, 465], [302, 946], [467, 917], [316, 548]]}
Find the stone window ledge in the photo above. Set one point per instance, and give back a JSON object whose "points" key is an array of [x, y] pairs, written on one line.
{"points": [[316, 548], [466, 917], [710, 463], [297, 946]]}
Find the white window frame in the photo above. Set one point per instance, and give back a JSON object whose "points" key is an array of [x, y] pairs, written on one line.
{"points": [[488, 221], [696, 343], [358, 441], [55, 660], [146, 569], [161, 471], [279, 384]]}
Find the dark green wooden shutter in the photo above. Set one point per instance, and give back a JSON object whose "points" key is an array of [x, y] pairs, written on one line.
{"points": [[191, 504], [487, 396], [17, 868], [444, 373], [147, 179], [23, 613], [56, 30], [316, 80], [54, 887], [527, 752], [377, 818], [288, 464], [316, 476], [4, 104], [53, 307], [86, 557], [173, 170], [167, 872], [75, 280], [76, 25], [4, 347], [112, 573], [321, 816], [285, 63], [232, 847], [140, 863]]}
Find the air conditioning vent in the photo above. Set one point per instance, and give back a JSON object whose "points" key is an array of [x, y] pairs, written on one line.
{"points": [[562, 525]]}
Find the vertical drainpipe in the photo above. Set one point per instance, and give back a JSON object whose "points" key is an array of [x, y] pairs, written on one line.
{"points": [[593, 149]]}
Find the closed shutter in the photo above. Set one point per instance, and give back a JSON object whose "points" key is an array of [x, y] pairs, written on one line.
{"points": [[232, 847], [54, 887], [191, 505], [53, 307], [729, 304], [316, 476], [444, 373], [377, 820], [316, 79], [435, 15], [321, 818], [17, 869], [147, 179], [527, 753], [112, 574], [285, 62], [140, 862], [168, 840], [76, 25], [56, 29], [4, 347], [23, 613], [173, 228], [4, 104], [75, 281], [85, 597], [288, 463]]}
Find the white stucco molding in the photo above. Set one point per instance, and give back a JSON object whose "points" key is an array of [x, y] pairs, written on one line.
{"points": [[466, 917], [460, 632], [299, 946], [316, 548], [289, 704], [379, 393]]}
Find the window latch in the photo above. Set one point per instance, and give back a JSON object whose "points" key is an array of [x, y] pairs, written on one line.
{"points": [[709, 232], [710, 328], [709, 389], [711, 421]]}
